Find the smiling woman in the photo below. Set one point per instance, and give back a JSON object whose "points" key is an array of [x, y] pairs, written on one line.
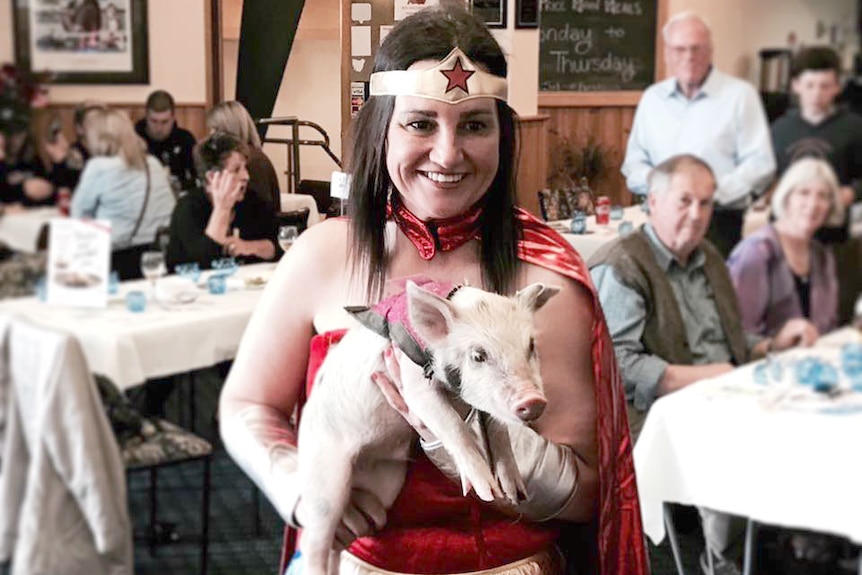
{"points": [[432, 194]]}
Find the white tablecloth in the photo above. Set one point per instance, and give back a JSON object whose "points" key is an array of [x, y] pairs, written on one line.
{"points": [[20, 231], [130, 348], [290, 202], [586, 244], [739, 447]]}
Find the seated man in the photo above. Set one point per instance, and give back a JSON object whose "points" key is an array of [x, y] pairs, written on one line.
{"points": [[672, 310], [168, 142]]}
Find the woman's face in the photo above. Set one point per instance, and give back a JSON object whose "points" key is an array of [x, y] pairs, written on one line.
{"points": [[235, 164], [442, 157], [807, 207]]}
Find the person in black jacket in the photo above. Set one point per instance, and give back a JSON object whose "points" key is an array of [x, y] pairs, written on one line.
{"points": [[166, 141], [220, 219]]}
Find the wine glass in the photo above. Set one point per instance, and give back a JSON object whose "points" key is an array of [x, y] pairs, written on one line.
{"points": [[153, 267], [286, 236]]}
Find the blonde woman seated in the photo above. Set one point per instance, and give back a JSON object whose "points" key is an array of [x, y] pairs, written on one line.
{"points": [[232, 118], [781, 272], [123, 184]]}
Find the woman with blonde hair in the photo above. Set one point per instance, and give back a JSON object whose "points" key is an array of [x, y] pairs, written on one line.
{"points": [[781, 271], [123, 184], [232, 118]]}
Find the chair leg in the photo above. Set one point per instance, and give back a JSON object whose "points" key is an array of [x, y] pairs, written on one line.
{"points": [[192, 403], [205, 516], [674, 542], [153, 506], [750, 539]]}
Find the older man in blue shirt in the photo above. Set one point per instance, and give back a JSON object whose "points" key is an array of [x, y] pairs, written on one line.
{"points": [[704, 112]]}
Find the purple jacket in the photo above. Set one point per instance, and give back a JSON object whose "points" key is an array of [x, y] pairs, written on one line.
{"points": [[766, 291]]}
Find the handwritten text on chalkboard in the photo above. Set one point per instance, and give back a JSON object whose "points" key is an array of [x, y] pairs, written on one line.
{"points": [[597, 45]]}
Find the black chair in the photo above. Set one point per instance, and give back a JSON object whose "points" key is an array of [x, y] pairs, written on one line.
{"points": [[298, 218]]}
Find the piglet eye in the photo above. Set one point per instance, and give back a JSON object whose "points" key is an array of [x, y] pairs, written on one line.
{"points": [[478, 355]]}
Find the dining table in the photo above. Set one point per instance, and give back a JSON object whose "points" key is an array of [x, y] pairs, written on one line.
{"points": [[167, 338], [757, 443], [596, 235], [20, 230]]}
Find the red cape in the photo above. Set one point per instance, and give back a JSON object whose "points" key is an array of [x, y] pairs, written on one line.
{"points": [[621, 543]]}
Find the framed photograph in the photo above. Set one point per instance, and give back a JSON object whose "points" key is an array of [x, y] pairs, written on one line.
{"points": [[526, 13], [492, 12], [83, 41]]}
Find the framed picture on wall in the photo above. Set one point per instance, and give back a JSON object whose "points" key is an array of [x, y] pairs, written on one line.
{"points": [[83, 41], [492, 12], [526, 13]]}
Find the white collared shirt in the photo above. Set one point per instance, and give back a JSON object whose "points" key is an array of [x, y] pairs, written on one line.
{"points": [[724, 124]]}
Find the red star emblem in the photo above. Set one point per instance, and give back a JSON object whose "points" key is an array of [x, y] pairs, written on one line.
{"points": [[457, 77]]}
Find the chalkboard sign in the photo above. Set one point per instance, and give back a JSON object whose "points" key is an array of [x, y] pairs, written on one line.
{"points": [[597, 45]]}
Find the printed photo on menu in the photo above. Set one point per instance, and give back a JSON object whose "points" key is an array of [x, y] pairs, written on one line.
{"points": [[79, 261]]}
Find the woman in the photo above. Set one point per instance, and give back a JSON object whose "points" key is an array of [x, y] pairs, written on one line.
{"points": [[221, 219], [781, 272], [123, 184], [432, 194], [233, 118]]}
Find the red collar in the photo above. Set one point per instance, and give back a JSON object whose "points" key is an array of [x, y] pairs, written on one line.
{"points": [[433, 235]]}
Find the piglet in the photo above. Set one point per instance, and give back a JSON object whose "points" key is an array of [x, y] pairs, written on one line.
{"points": [[478, 345]]}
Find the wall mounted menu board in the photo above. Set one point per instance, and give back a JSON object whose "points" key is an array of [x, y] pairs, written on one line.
{"points": [[597, 45]]}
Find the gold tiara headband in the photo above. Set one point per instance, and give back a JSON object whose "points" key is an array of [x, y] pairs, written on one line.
{"points": [[453, 80]]}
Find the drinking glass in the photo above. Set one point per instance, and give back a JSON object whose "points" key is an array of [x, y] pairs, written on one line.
{"points": [[579, 222], [625, 228], [851, 363], [217, 284], [286, 236], [225, 266], [153, 266], [617, 212], [136, 301], [190, 271]]}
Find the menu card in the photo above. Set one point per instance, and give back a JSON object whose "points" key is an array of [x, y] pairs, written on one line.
{"points": [[79, 262]]}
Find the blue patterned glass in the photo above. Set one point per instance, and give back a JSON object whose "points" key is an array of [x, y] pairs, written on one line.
{"points": [[817, 374], [113, 283], [625, 228], [226, 266], [617, 212], [136, 301], [190, 271], [217, 284], [579, 222], [851, 363]]}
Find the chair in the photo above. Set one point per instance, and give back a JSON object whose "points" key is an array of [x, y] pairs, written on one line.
{"points": [[63, 505], [298, 218], [148, 445]]}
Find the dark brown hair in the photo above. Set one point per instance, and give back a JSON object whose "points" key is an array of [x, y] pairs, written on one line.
{"points": [[816, 59], [160, 101], [430, 35], [211, 153]]}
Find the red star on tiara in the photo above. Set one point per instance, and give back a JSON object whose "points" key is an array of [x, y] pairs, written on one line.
{"points": [[457, 77]]}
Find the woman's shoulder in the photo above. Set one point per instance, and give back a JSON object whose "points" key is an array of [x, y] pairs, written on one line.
{"points": [[761, 244]]}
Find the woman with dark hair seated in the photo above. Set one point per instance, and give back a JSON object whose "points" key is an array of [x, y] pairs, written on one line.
{"points": [[220, 219]]}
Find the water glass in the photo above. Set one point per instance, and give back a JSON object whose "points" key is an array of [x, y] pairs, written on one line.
{"points": [[851, 363], [617, 212], [579, 222], [190, 271], [225, 266], [113, 283], [153, 266], [625, 228], [817, 374], [41, 288], [217, 284], [287, 236], [136, 301]]}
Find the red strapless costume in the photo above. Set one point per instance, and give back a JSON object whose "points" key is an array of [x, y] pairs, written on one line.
{"points": [[432, 528]]}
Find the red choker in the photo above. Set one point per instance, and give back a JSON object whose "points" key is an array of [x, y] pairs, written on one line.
{"points": [[436, 235]]}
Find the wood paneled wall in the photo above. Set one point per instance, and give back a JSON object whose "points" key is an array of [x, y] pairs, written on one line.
{"points": [[610, 126], [192, 117], [533, 161]]}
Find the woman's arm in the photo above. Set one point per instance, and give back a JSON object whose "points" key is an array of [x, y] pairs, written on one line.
{"points": [[749, 270], [268, 374]]}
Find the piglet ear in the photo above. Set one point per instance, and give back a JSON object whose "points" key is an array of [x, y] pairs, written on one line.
{"points": [[536, 295], [430, 315]]}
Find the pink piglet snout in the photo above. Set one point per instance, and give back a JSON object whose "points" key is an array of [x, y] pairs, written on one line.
{"points": [[530, 406]]}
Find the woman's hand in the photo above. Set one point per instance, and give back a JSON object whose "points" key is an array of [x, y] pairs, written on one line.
{"points": [[364, 514], [58, 149], [225, 188], [399, 368], [795, 332]]}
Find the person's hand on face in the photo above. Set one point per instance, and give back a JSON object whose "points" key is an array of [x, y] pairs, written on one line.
{"points": [[57, 150], [848, 196], [796, 332], [226, 189], [2, 147]]}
